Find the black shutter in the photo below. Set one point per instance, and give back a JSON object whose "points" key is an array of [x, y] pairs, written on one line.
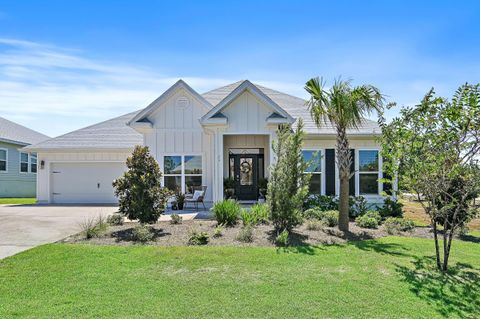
{"points": [[387, 187], [351, 186], [330, 172]]}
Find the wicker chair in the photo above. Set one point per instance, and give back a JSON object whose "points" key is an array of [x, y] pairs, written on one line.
{"points": [[197, 197]]}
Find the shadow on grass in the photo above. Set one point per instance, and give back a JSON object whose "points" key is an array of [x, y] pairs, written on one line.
{"points": [[127, 234], [393, 249], [453, 294], [470, 238]]}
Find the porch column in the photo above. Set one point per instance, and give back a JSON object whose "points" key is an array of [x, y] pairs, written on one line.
{"points": [[218, 166], [273, 158]]}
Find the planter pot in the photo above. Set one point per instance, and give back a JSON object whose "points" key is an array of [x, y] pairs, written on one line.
{"points": [[180, 206]]}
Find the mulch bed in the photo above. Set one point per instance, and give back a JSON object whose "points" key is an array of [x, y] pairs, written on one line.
{"points": [[166, 234]]}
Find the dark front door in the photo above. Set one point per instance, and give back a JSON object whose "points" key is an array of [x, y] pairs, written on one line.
{"points": [[246, 176]]}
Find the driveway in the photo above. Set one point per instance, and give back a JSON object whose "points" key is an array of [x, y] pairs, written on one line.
{"points": [[25, 226]]}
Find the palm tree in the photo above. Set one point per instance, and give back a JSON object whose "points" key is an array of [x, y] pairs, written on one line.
{"points": [[344, 106]]}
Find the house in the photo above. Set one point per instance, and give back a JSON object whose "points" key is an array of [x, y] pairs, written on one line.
{"points": [[201, 139], [18, 169]]}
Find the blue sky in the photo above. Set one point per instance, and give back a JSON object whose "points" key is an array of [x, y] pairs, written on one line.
{"points": [[68, 64]]}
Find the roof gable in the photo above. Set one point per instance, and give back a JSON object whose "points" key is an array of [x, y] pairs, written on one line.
{"points": [[237, 91], [152, 107]]}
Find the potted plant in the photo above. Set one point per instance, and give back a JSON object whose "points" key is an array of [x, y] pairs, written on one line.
{"points": [[179, 199], [262, 189], [229, 187]]}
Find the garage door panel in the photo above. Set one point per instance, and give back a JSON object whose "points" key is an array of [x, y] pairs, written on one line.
{"points": [[84, 182]]}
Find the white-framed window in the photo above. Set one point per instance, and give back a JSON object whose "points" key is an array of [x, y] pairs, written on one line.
{"points": [[368, 172], [182, 172], [23, 162], [314, 158], [3, 159], [33, 163]]}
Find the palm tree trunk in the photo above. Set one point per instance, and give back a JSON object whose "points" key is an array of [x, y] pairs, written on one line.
{"points": [[343, 162]]}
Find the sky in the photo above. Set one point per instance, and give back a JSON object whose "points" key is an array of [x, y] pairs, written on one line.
{"points": [[68, 64]]}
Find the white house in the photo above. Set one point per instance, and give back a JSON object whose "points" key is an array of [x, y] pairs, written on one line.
{"points": [[201, 139]]}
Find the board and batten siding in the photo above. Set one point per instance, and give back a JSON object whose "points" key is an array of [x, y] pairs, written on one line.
{"points": [[13, 183], [176, 130]]}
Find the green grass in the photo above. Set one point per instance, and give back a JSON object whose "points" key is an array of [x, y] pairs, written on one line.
{"points": [[387, 278], [18, 201]]}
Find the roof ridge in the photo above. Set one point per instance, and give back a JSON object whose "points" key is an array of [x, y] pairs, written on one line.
{"points": [[222, 87]]}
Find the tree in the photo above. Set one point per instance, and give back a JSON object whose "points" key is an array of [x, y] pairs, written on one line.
{"points": [[434, 148], [139, 191], [288, 185], [344, 106]]}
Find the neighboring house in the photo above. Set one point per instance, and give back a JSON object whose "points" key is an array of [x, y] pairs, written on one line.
{"points": [[201, 139], [18, 169]]}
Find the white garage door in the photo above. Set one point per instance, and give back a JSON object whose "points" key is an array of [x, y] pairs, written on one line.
{"points": [[84, 182]]}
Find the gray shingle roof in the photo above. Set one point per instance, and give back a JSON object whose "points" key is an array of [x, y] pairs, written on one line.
{"points": [[18, 134], [115, 134], [111, 134]]}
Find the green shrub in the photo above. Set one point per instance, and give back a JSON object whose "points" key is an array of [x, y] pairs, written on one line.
{"points": [[391, 208], [226, 212], [394, 225], [330, 218], [218, 232], [370, 219], [198, 238], [358, 206], [282, 239], [142, 233], [248, 218], [314, 224], [322, 202], [261, 211], [313, 213], [175, 219], [94, 227], [139, 191], [245, 234], [288, 185], [115, 219]]}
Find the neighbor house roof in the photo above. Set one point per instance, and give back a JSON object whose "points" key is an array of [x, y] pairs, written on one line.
{"points": [[116, 134], [17, 134], [112, 134]]}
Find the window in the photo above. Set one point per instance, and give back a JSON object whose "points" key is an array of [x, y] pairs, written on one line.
{"points": [[315, 169], [24, 162], [368, 172], [3, 160], [172, 168], [33, 163], [182, 173], [193, 173]]}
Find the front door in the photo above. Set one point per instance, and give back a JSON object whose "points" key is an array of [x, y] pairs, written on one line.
{"points": [[246, 176]]}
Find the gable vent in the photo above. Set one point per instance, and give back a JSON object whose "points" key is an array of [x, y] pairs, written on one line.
{"points": [[182, 102]]}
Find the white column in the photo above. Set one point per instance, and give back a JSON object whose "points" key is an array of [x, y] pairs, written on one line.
{"points": [[218, 166], [273, 158]]}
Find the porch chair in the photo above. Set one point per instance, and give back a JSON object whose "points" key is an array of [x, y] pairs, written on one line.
{"points": [[197, 197]]}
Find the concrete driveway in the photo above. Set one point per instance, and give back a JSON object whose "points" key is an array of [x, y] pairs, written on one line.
{"points": [[25, 226]]}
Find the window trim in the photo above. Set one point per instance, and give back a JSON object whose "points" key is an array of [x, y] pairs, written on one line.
{"points": [[322, 167], [20, 162], [379, 172], [182, 163], [30, 157], [6, 160]]}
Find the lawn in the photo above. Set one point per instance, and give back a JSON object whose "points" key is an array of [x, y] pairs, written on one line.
{"points": [[18, 201], [392, 277]]}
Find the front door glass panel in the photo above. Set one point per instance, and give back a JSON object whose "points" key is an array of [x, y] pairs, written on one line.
{"points": [[246, 171]]}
